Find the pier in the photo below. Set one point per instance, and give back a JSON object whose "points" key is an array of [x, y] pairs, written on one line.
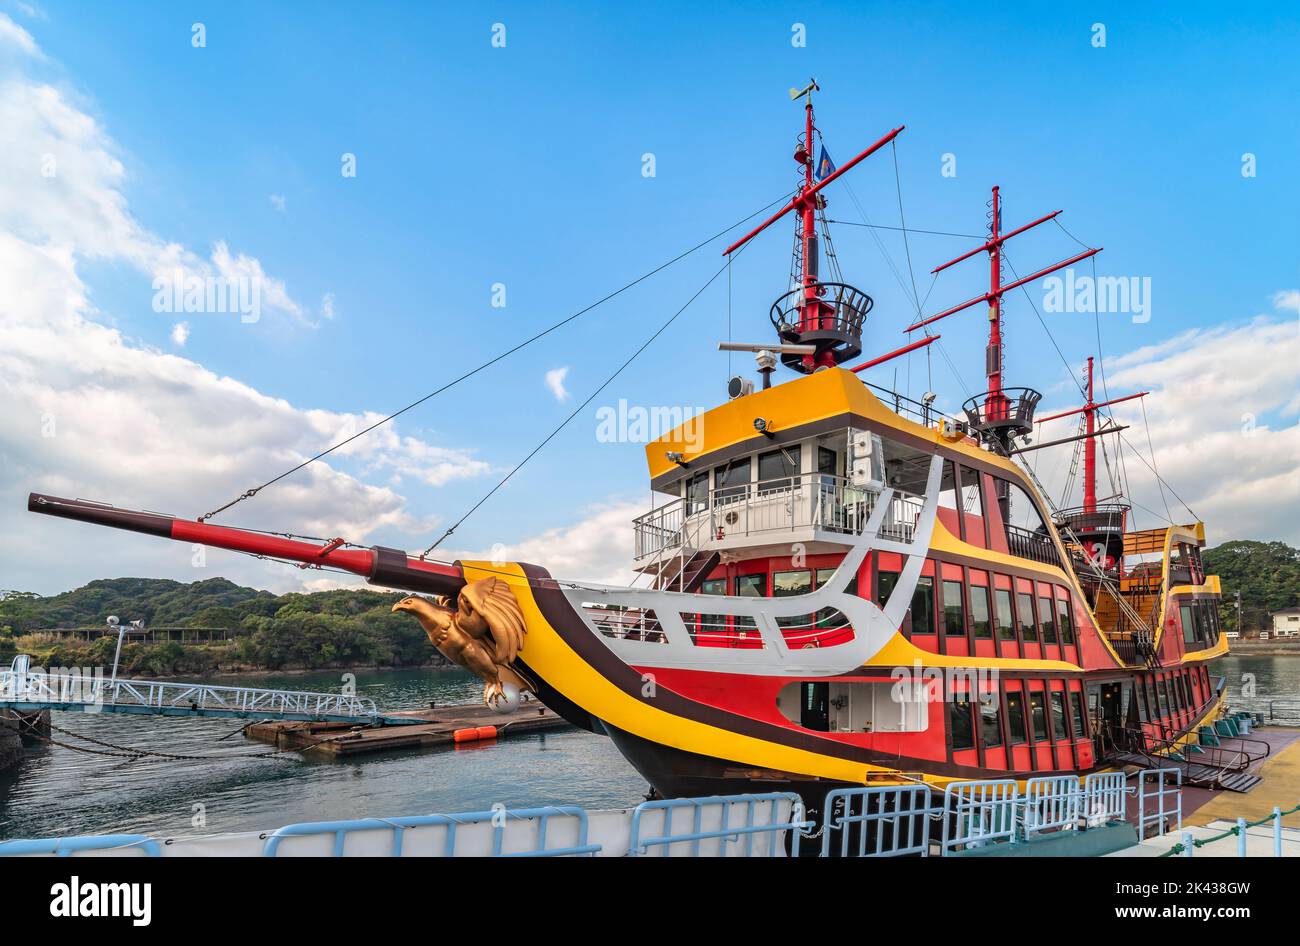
{"points": [[419, 729]]}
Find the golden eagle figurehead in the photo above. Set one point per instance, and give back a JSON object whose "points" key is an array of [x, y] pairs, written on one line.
{"points": [[483, 633]]}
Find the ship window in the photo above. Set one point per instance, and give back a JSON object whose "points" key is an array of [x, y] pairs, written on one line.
{"points": [[826, 574], [827, 462], [749, 586], [1038, 715], [713, 622], [961, 722], [1046, 622], [923, 606], [829, 618], [990, 720], [885, 582], [979, 612], [777, 468], [1076, 707], [970, 492], [785, 584], [1162, 697], [1065, 621], [859, 707], [1016, 716], [697, 493], [1058, 716], [1025, 612], [948, 487], [954, 621], [1006, 626], [1022, 512], [1189, 626], [732, 481]]}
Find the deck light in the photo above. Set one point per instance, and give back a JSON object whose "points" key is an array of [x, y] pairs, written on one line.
{"points": [[763, 427], [678, 458]]}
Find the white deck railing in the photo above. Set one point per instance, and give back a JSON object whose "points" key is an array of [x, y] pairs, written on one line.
{"points": [[808, 501]]}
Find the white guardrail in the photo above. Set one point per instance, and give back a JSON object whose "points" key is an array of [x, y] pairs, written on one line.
{"points": [[72, 689]]}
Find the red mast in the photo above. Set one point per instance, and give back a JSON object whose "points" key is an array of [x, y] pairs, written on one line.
{"points": [[1001, 416], [828, 316], [1088, 523]]}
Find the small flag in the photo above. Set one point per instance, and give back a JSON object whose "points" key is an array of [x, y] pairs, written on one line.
{"points": [[825, 166]]}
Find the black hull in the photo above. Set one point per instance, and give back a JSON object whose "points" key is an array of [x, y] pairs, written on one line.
{"points": [[673, 773]]}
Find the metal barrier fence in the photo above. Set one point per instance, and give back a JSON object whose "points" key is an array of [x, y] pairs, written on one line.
{"points": [[1103, 797], [726, 832], [979, 813], [498, 819], [881, 821], [1155, 784], [1051, 803], [892, 821]]}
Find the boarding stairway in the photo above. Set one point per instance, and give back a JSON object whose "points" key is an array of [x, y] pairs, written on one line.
{"points": [[1217, 755]]}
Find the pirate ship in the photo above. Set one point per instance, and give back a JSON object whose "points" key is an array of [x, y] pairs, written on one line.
{"points": [[842, 585]]}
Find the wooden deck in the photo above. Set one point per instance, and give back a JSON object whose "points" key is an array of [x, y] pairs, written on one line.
{"points": [[437, 728]]}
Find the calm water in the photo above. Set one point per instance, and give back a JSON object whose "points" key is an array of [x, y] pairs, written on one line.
{"points": [[1276, 678], [56, 791]]}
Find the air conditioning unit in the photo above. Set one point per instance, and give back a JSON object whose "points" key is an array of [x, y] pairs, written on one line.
{"points": [[866, 460]]}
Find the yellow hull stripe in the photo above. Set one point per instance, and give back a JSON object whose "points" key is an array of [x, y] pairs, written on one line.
{"points": [[552, 659]]}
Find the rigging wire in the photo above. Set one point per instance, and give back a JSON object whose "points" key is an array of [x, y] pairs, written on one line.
{"points": [[902, 223], [881, 226], [250, 493], [1152, 450], [564, 423]]}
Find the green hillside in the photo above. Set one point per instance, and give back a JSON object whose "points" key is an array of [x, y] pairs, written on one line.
{"points": [[270, 632], [1266, 573]]}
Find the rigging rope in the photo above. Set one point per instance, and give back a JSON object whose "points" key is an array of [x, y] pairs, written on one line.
{"points": [[564, 423], [250, 493], [1152, 449]]}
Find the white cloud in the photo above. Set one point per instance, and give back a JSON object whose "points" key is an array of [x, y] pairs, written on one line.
{"points": [[277, 201], [180, 334], [597, 548], [65, 186], [555, 381], [90, 412], [14, 35], [1287, 299], [327, 305], [1223, 413]]}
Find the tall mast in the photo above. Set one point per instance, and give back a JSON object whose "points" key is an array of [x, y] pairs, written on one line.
{"points": [[1095, 528], [1090, 449], [807, 201], [827, 316], [995, 401], [1005, 413]]}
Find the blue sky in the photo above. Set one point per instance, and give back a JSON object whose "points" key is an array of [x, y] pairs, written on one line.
{"points": [[522, 165]]}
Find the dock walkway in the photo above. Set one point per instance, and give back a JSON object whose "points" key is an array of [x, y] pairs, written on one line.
{"points": [[419, 729]]}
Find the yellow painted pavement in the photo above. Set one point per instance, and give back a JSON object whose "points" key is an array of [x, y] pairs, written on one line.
{"points": [[1280, 788]]}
